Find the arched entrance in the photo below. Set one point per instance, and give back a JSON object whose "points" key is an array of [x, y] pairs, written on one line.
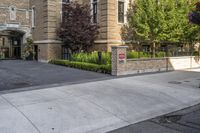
{"points": [[11, 42]]}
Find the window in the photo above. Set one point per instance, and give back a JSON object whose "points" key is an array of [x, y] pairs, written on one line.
{"points": [[63, 3], [121, 11], [66, 1], [94, 11], [33, 16], [66, 53], [3, 41], [12, 10]]}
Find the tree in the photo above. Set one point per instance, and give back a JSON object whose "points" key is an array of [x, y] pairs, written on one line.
{"points": [[77, 30], [157, 21], [28, 51], [146, 21], [194, 16]]}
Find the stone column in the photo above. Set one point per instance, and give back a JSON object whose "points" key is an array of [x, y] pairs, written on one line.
{"points": [[119, 59]]}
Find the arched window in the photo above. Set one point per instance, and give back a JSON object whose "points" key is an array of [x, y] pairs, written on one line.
{"points": [[12, 11]]}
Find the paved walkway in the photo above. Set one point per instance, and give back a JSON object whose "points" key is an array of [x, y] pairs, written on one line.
{"points": [[100, 106], [182, 121], [15, 74]]}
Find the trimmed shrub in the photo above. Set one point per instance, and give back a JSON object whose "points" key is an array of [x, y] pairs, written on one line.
{"points": [[133, 55], [160, 54], [82, 65], [92, 58]]}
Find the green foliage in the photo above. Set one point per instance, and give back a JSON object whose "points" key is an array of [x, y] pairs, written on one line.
{"points": [[132, 55], [83, 65], [28, 48], [147, 20], [2, 55], [92, 58], [160, 54], [191, 32], [156, 21], [76, 30]]}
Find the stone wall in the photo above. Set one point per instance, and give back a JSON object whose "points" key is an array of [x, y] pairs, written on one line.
{"points": [[48, 17], [22, 12], [15, 16], [123, 66], [135, 66], [47, 20], [110, 29]]}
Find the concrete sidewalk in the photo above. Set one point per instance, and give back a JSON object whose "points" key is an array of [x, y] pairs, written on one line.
{"points": [[98, 106]]}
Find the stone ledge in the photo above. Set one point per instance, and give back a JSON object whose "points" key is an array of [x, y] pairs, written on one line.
{"points": [[119, 46], [48, 42]]}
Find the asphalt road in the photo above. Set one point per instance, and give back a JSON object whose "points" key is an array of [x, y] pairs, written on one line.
{"points": [[106, 105], [183, 121], [15, 74]]}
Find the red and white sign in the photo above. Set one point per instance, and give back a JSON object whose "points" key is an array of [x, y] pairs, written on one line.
{"points": [[122, 56]]}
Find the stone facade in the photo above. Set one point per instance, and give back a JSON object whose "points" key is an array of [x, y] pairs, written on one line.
{"points": [[41, 18], [22, 12], [15, 18], [44, 33], [47, 20], [110, 28]]}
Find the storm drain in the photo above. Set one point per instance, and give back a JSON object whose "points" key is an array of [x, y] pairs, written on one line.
{"points": [[170, 119], [174, 82]]}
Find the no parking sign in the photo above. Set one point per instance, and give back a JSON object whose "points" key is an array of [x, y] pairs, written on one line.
{"points": [[122, 57]]}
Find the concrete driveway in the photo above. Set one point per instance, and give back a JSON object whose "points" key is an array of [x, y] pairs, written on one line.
{"points": [[16, 74], [98, 107]]}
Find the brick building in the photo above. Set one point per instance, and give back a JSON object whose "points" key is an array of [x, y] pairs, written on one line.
{"points": [[15, 26], [40, 19]]}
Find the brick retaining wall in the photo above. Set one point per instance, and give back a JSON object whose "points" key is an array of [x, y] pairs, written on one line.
{"points": [[135, 66]]}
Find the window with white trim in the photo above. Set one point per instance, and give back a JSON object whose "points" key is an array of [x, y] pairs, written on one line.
{"points": [[12, 10]]}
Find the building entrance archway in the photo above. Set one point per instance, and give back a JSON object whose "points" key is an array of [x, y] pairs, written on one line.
{"points": [[11, 42]]}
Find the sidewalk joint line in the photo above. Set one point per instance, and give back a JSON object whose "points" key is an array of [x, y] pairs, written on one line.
{"points": [[22, 114], [107, 111]]}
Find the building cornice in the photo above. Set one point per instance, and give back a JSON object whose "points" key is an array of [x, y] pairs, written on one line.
{"points": [[109, 41], [48, 42]]}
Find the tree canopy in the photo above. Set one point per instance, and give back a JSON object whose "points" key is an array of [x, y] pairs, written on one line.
{"points": [[158, 21], [77, 30]]}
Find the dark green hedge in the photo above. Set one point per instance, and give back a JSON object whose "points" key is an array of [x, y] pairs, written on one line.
{"points": [[83, 65]]}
